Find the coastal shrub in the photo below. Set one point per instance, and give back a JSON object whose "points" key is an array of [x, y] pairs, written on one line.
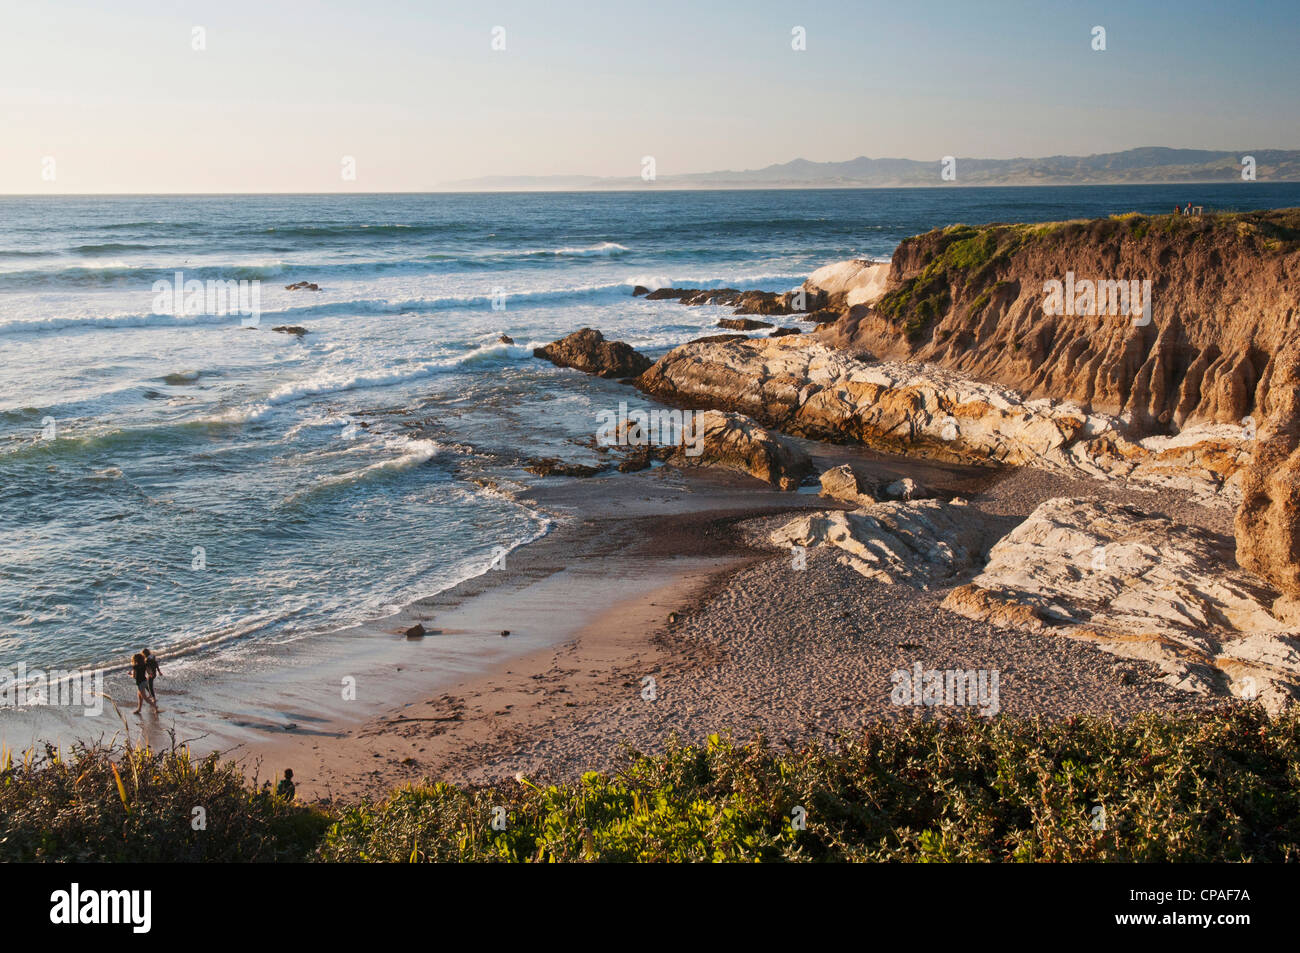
{"points": [[96, 803], [1218, 785]]}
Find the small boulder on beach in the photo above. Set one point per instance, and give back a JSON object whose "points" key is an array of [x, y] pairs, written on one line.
{"points": [[841, 483], [904, 489], [735, 442]]}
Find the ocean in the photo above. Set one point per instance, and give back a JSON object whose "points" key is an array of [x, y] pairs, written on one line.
{"points": [[181, 481]]}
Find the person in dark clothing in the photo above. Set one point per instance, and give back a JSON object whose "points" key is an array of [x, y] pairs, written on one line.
{"points": [[139, 672], [285, 788], [152, 670]]}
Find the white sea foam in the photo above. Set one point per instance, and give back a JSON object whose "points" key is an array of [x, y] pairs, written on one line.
{"points": [[344, 307]]}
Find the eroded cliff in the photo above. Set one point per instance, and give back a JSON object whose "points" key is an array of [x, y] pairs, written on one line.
{"points": [[1223, 303]]}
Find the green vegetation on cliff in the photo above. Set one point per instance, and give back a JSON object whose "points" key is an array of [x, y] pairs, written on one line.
{"points": [[1223, 785], [965, 263]]}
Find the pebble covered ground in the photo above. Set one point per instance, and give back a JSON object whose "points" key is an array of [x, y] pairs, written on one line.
{"points": [[797, 655]]}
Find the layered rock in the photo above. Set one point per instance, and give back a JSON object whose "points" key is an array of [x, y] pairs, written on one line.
{"points": [[745, 302], [920, 543], [587, 350], [816, 391], [1223, 308], [1268, 520], [735, 442], [841, 483], [846, 284], [1139, 586]]}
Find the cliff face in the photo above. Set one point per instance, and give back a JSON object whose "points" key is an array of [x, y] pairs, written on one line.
{"points": [[815, 391], [1224, 292]]}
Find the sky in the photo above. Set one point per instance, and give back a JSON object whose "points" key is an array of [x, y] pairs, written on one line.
{"points": [[271, 96]]}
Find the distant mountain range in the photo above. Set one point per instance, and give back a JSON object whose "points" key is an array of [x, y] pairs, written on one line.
{"points": [[1147, 165]]}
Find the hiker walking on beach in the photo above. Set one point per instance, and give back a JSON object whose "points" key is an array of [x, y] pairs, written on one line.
{"points": [[285, 788], [152, 670], [139, 672]]}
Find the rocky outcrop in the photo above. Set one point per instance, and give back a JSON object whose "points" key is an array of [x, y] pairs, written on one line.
{"points": [[846, 284], [904, 489], [1139, 586], [841, 483], [921, 543], [742, 324], [1223, 309], [735, 442], [553, 466], [587, 350], [812, 390], [302, 286], [745, 302], [1268, 520]]}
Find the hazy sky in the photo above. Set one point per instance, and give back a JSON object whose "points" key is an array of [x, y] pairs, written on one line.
{"points": [[115, 93]]}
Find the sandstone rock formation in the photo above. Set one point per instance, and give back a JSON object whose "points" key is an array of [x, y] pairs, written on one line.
{"points": [[841, 483], [920, 543], [811, 390], [745, 302], [587, 350], [1268, 521], [742, 324], [846, 284], [1223, 304], [1172, 401], [904, 489], [735, 442], [1143, 587]]}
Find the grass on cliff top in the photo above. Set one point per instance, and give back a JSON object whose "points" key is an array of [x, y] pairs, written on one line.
{"points": [[965, 256], [1220, 785], [1269, 230]]}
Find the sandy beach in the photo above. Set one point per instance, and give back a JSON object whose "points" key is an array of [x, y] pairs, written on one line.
{"points": [[663, 575]]}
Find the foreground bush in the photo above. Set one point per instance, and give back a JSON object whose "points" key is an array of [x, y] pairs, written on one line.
{"points": [[1218, 786], [1223, 785], [133, 804]]}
